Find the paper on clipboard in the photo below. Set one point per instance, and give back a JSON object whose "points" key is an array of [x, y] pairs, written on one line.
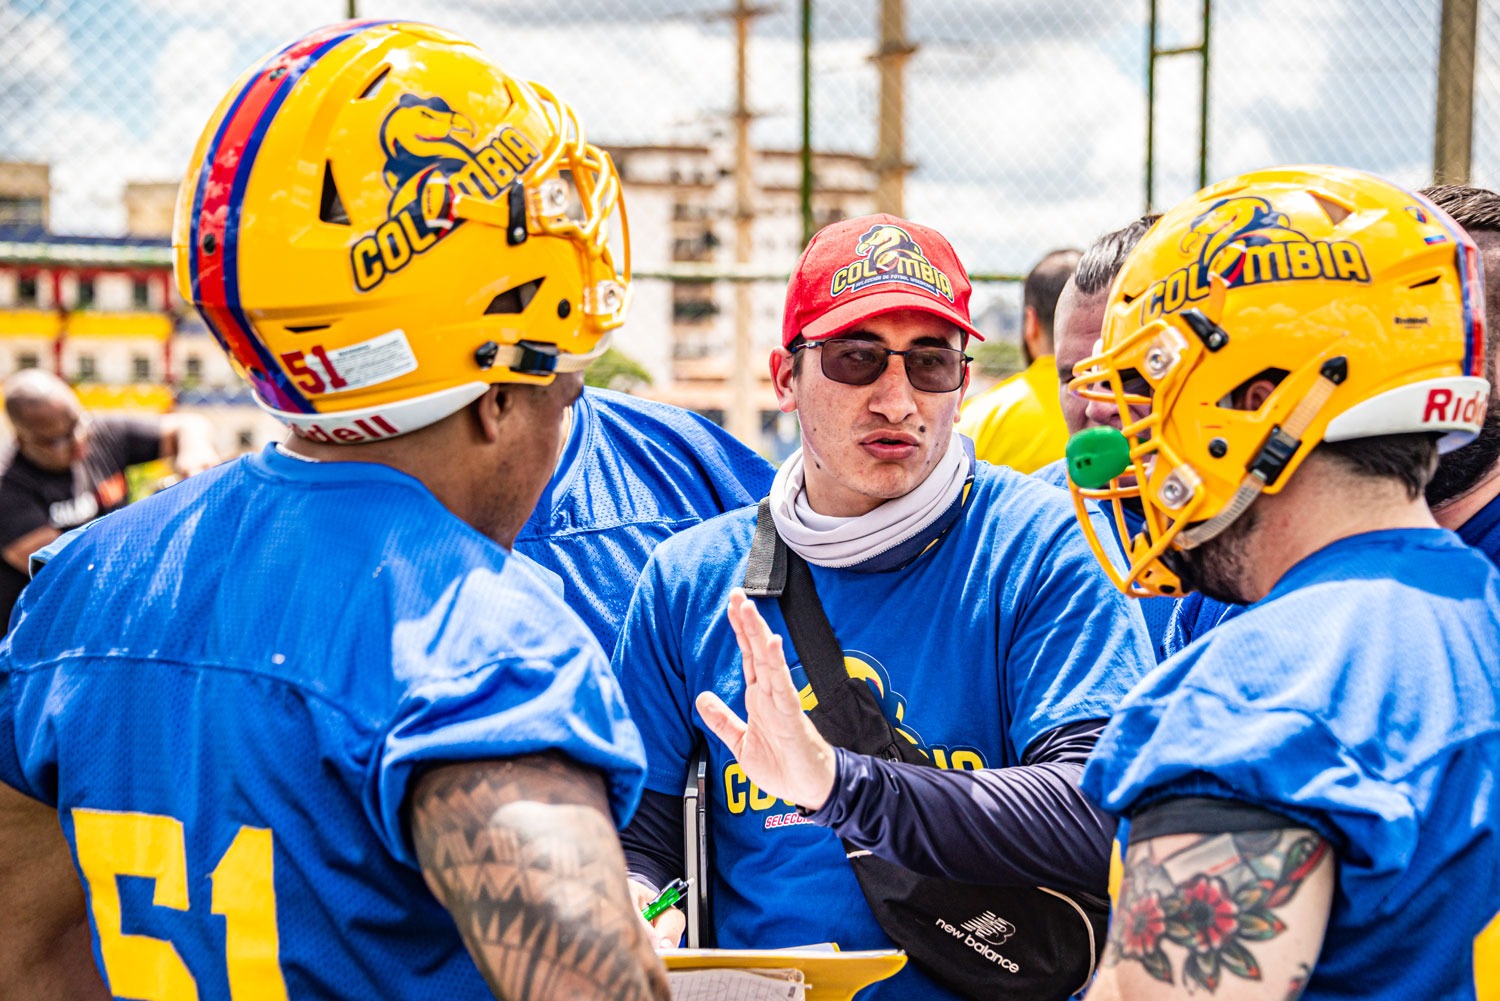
{"points": [[729, 984], [829, 975]]}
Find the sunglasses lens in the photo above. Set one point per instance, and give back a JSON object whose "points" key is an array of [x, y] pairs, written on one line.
{"points": [[935, 370], [853, 363]]}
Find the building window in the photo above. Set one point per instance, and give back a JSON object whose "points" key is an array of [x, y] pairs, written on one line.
{"points": [[140, 367], [140, 293], [27, 359], [26, 290], [88, 370], [85, 293], [23, 210], [246, 438], [193, 368]]}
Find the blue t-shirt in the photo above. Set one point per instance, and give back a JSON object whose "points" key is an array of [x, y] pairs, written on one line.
{"points": [[1196, 614], [245, 672], [1004, 630], [1359, 698], [632, 473], [1156, 611]]}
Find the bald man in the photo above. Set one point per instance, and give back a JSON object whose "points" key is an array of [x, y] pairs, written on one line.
{"points": [[68, 468]]}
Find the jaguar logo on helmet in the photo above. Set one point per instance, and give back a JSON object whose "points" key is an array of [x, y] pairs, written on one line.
{"points": [[426, 141], [1246, 241], [889, 254]]}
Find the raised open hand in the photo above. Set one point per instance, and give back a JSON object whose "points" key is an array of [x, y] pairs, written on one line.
{"points": [[776, 745]]}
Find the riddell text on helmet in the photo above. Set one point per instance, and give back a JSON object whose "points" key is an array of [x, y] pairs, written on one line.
{"points": [[1444, 405]]}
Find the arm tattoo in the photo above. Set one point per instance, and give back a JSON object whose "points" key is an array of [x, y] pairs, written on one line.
{"points": [[523, 854], [1299, 983], [1214, 898]]}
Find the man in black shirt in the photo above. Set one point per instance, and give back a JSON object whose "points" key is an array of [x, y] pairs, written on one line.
{"points": [[68, 468]]}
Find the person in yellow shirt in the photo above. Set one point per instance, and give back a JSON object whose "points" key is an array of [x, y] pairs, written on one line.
{"points": [[1019, 422]]}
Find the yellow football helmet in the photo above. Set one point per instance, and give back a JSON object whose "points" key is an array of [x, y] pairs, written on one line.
{"points": [[1364, 301], [378, 223]]}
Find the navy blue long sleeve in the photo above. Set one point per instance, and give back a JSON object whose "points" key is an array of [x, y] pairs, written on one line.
{"points": [[654, 850], [1024, 825]]}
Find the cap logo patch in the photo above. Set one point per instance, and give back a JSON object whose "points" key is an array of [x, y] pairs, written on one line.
{"points": [[889, 254]]}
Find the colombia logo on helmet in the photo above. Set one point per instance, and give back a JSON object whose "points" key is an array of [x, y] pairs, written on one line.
{"points": [[1246, 241], [425, 141], [889, 254]]}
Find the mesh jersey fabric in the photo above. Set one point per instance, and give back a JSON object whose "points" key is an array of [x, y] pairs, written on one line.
{"points": [[280, 645], [1482, 531], [1157, 612], [1004, 630], [1197, 613], [1360, 698], [632, 473], [1019, 421]]}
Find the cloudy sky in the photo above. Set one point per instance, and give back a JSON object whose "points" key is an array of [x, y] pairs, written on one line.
{"points": [[1026, 118]]}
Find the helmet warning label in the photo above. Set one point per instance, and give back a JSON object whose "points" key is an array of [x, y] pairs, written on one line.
{"points": [[369, 363]]}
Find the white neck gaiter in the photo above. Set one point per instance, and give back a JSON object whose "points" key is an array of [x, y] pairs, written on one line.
{"points": [[830, 541]]}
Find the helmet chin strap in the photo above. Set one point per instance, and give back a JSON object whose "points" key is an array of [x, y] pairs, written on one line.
{"points": [[1281, 445]]}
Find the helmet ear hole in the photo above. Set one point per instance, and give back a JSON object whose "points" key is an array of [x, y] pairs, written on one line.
{"points": [[331, 207], [1238, 397], [514, 300]]}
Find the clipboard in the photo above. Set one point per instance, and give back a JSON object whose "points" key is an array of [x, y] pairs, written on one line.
{"points": [[831, 976]]}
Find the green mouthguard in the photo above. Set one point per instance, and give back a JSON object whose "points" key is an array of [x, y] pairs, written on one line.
{"points": [[1096, 456]]}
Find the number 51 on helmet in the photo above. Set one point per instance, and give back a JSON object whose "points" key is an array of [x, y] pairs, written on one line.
{"points": [[378, 223]]}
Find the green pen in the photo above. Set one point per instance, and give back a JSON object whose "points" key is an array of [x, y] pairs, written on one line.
{"points": [[666, 899]]}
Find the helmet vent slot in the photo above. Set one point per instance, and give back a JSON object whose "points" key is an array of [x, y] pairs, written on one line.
{"points": [[385, 71], [1335, 212], [1425, 282], [308, 329], [514, 300], [331, 209]]}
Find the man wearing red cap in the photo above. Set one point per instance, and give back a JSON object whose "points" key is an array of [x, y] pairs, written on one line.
{"points": [[963, 594]]}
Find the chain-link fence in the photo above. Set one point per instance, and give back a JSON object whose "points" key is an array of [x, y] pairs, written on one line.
{"points": [[1025, 120]]}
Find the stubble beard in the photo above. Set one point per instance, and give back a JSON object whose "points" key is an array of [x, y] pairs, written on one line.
{"points": [[1457, 472], [1219, 568]]}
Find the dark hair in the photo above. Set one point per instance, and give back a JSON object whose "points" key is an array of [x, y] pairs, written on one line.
{"points": [[1105, 257], [1045, 283], [1410, 458], [797, 342], [1475, 209]]}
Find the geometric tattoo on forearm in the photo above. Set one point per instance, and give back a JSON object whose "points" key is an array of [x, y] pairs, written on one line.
{"points": [[523, 855], [1215, 898]]}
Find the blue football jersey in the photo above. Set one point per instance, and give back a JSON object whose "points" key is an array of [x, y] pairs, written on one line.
{"points": [[1482, 530], [1360, 698], [632, 473], [227, 690], [1156, 611], [1005, 629]]}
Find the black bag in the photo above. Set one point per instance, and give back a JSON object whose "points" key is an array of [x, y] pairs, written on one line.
{"points": [[985, 942]]}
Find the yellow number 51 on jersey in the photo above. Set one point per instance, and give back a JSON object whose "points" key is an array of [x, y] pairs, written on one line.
{"points": [[111, 845]]}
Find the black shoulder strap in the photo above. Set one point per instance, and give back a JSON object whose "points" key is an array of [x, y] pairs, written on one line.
{"points": [[774, 571], [765, 575]]}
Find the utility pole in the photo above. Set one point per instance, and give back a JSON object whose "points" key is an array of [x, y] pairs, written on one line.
{"points": [[742, 418], [1452, 139], [1155, 52], [891, 166]]}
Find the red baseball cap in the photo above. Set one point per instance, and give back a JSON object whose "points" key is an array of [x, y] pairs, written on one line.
{"points": [[859, 268]]}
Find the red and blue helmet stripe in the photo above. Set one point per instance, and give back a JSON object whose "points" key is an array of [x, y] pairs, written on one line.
{"points": [[1471, 281], [213, 253]]}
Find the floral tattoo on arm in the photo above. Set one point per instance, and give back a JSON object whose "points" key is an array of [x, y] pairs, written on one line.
{"points": [[1214, 898]]}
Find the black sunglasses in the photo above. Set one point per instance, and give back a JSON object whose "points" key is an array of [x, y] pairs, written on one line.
{"points": [[859, 363]]}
